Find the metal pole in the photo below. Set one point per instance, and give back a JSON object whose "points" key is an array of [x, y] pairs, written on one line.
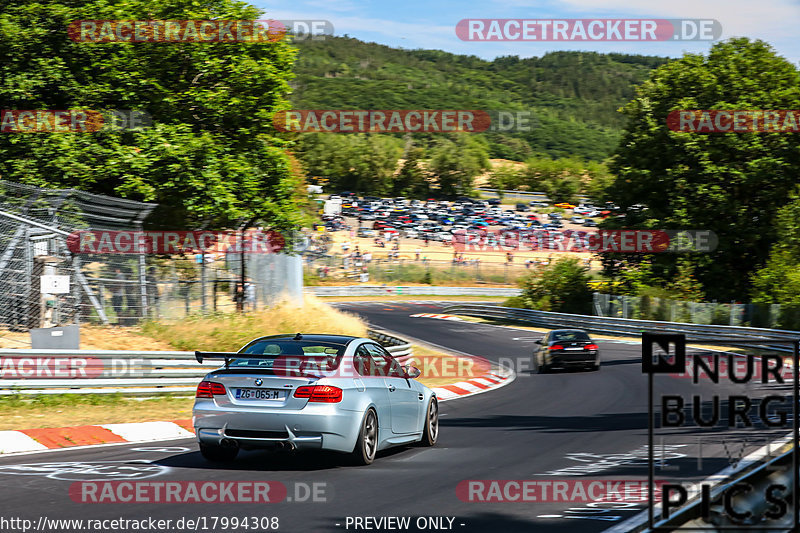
{"points": [[143, 284], [240, 304], [202, 282]]}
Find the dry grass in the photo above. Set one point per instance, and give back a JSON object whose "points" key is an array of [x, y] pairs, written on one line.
{"points": [[95, 338], [229, 332]]}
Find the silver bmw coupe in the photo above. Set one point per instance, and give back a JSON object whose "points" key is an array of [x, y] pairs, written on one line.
{"points": [[328, 392]]}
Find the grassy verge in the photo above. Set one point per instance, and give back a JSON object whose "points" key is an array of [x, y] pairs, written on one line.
{"points": [[61, 410]]}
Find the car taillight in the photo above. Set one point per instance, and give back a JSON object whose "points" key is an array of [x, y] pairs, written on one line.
{"points": [[556, 347], [209, 389], [319, 393], [590, 347]]}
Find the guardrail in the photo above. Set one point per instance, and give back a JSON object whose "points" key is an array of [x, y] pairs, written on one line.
{"points": [[393, 290], [631, 327], [121, 371]]}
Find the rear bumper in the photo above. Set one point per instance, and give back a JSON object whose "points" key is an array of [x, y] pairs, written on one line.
{"points": [[573, 359], [313, 427], [217, 437]]}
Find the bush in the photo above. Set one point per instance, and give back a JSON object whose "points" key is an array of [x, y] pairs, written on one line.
{"points": [[515, 301], [560, 287]]}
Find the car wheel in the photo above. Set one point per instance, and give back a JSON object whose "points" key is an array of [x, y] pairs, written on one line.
{"points": [[430, 433], [367, 443], [218, 454], [594, 367]]}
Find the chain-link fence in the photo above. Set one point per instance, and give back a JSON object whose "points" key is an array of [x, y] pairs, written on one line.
{"points": [[717, 313], [42, 234]]}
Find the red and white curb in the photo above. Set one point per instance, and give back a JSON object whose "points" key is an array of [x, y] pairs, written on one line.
{"points": [[499, 377], [31, 440], [484, 383], [435, 315]]}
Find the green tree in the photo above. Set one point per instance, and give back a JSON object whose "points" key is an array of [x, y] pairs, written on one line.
{"points": [[456, 161], [728, 183], [505, 177], [684, 286], [362, 163], [561, 287], [778, 281], [411, 180], [211, 155]]}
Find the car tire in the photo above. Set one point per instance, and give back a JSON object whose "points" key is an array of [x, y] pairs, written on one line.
{"points": [[430, 432], [594, 367], [367, 442], [218, 454]]}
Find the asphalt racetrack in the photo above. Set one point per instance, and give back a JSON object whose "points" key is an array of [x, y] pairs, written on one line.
{"points": [[576, 425]]}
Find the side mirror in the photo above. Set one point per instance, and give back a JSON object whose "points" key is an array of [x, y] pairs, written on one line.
{"points": [[538, 341], [412, 371]]}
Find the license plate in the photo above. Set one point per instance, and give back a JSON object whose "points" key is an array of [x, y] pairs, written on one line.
{"points": [[260, 394], [573, 348]]}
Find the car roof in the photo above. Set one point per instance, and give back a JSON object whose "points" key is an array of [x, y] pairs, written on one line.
{"points": [[568, 330], [333, 339]]}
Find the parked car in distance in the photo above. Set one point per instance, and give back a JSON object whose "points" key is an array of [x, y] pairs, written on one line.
{"points": [[589, 223], [565, 205]]}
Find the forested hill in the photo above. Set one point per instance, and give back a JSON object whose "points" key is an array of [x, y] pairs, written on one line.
{"points": [[575, 94]]}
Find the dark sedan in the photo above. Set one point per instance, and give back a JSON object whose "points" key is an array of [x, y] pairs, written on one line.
{"points": [[566, 348]]}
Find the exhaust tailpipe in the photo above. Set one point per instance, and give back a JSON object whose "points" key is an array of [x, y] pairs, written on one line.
{"points": [[229, 443]]}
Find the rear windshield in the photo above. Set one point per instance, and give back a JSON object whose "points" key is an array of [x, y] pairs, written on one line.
{"points": [[321, 356], [570, 336]]}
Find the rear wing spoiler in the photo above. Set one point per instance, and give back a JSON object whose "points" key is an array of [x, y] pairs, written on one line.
{"points": [[225, 356]]}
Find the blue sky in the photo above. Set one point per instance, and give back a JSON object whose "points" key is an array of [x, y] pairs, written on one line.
{"points": [[430, 24]]}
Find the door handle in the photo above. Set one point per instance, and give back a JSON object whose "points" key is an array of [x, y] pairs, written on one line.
{"points": [[391, 388]]}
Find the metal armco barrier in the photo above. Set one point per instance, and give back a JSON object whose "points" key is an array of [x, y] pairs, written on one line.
{"points": [[628, 326], [121, 371], [394, 290]]}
